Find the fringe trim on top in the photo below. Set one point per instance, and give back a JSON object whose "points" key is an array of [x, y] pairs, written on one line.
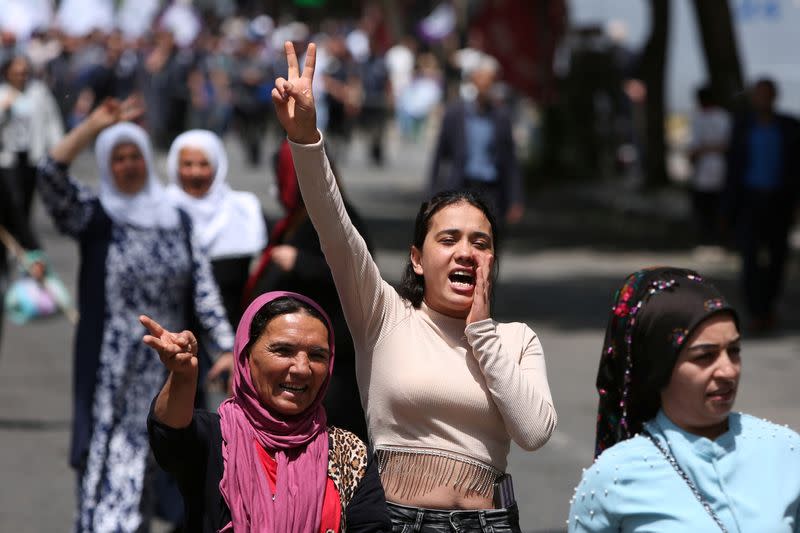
{"points": [[412, 472]]}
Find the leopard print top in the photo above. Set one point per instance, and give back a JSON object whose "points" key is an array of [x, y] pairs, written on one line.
{"points": [[347, 465]]}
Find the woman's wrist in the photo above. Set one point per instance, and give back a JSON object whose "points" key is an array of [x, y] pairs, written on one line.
{"points": [[306, 138]]}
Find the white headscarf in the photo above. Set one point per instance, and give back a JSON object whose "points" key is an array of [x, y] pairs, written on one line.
{"points": [[226, 223], [148, 208]]}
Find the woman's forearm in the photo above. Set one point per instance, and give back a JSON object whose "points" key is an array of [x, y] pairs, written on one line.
{"points": [[68, 148], [175, 403]]}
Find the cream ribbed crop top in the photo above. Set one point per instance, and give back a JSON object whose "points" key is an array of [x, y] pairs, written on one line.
{"points": [[427, 383]]}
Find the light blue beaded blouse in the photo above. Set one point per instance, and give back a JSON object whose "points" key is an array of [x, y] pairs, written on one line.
{"points": [[750, 475]]}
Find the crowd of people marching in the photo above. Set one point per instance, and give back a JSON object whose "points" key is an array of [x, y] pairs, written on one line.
{"points": [[411, 429]]}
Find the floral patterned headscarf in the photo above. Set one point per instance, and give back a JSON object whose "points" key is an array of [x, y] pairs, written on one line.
{"points": [[654, 313]]}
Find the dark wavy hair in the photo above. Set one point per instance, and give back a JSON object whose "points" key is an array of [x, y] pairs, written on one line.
{"points": [[412, 285], [6, 63], [280, 306]]}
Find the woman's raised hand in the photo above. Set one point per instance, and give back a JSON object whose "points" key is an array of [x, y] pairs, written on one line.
{"points": [[481, 297], [178, 351], [112, 111], [293, 99]]}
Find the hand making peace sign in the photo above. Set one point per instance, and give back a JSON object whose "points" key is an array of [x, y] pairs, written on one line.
{"points": [[293, 99]]}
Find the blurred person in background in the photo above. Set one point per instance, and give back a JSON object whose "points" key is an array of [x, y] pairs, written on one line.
{"points": [[13, 224], [763, 165], [137, 254], [400, 61], [376, 91], [166, 76], [343, 94], [710, 132], [210, 86], [475, 149], [251, 83], [420, 97], [118, 75], [229, 229], [30, 124], [61, 74], [294, 261], [228, 225]]}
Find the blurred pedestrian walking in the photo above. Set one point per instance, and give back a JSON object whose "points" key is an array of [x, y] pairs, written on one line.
{"points": [[30, 124], [762, 192], [710, 130], [475, 150], [228, 225], [13, 223], [137, 255]]}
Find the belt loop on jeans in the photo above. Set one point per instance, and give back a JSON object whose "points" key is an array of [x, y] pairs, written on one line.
{"points": [[418, 520], [482, 520]]}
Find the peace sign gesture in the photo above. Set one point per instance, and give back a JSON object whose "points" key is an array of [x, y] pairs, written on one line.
{"points": [[293, 99], [178, 351]]}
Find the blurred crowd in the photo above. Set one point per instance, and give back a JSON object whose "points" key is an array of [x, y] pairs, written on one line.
{"points": [[197, 69]]}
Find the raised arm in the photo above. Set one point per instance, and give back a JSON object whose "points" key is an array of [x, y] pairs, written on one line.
{"points": [[178, 351], [107, 114], [70, 203], [217, 334], [368, 301]]}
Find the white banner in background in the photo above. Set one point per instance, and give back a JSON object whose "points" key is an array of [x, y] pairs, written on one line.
{"points": [[80, 17], [22, 17], [135, 17], [183, 21]]}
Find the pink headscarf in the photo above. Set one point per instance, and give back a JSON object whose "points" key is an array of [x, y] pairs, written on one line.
{"points": [[300, 444]]}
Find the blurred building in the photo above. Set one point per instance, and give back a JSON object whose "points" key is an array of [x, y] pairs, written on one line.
{"points": [[766, 31]]}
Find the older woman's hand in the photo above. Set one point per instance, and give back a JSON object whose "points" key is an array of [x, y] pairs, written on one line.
{"points": [[112, 111], [293, 99], [178, 351]]}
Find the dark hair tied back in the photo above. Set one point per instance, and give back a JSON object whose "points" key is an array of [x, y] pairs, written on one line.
{"points": [[412, 285]]}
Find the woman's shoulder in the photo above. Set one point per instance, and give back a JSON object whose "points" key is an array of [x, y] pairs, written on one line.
{"points": [[620, 459], [347, 462], [518, 331], [343, 442], [762, 429], [247, 200], [615, 484]]}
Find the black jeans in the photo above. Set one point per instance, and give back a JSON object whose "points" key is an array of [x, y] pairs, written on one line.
{"points": [[418, 520]]}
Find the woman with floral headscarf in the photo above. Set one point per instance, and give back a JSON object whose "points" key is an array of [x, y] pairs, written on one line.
{"points": [[137, 255], [670, 453], [267, 461]]}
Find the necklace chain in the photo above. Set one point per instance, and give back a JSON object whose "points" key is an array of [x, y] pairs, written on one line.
{"points": [[674, 463]]}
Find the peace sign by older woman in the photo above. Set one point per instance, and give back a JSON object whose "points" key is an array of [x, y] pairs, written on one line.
{"points": [[267, 462]]}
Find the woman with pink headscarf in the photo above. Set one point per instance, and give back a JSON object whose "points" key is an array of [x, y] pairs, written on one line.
{"points": [[267, 461]]}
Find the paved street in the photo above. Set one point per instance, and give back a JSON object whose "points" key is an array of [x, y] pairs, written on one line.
{"points": [[553, 277]]}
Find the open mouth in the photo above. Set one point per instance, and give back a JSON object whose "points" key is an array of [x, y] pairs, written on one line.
{"points": [[723, 394], [462, 279], [295, 389]]}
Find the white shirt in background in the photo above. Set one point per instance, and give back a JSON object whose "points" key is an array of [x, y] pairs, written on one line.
{"points": [[710, 127]]}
